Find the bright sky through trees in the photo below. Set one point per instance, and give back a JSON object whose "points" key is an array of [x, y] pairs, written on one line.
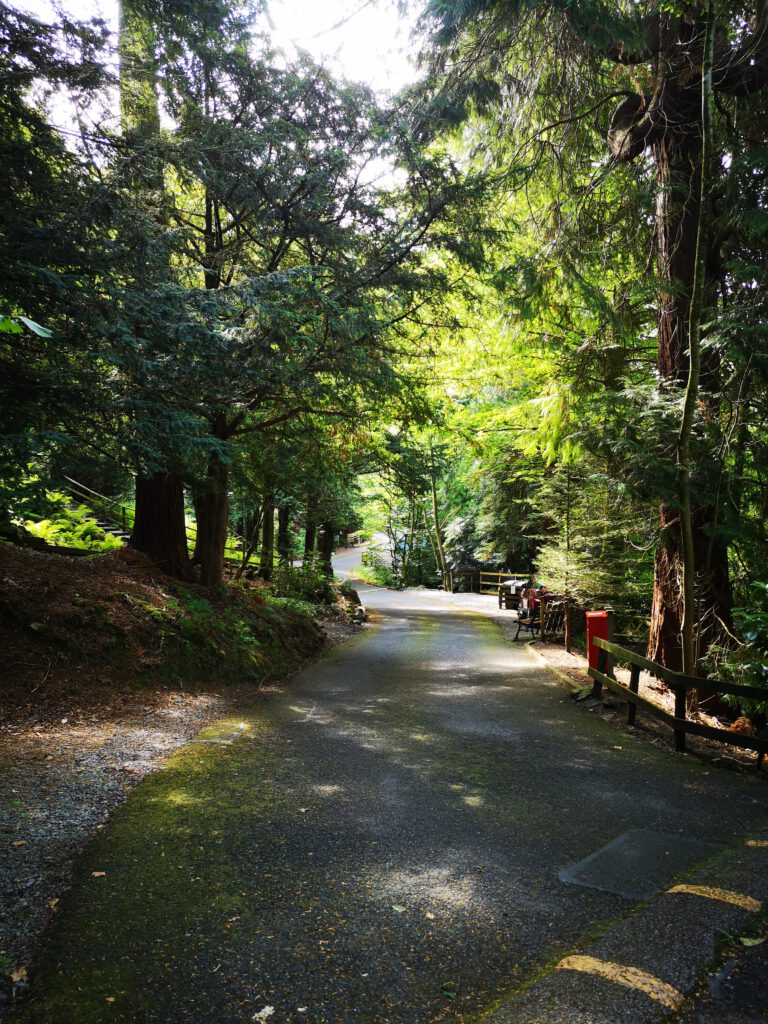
{"points": [[368, 41], [364, 41]]}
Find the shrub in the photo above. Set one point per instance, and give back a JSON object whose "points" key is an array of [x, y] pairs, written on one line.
{"points": [[73, 528], [377, 570], [306, 582], [746, 663]]}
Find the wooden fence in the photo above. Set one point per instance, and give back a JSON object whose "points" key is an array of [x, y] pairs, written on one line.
{"points": [[680, 684], [482, 582]]}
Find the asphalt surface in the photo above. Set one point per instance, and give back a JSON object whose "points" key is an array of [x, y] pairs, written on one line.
{"points": [[380, 842], [736, 993]]}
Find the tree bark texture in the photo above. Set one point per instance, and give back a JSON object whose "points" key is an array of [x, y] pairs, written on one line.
{"points": [[267, 556], [159, 528], [690, 402], [669, 121], [443, 564], [284, 534], [212, 508], [310, 534], [325, 545]]}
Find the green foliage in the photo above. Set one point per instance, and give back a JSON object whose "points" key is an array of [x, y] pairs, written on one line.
{"points": [[296, 605], [595, 542], [473, 338], [308, 582], [72, 527], [377, 569], [746, 662]]}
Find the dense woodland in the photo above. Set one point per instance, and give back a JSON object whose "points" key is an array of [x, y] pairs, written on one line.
{"points": [[513, 316]]}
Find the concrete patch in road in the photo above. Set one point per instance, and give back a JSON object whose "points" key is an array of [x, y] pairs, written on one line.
{"points": [[638, 864], [644, 968]]}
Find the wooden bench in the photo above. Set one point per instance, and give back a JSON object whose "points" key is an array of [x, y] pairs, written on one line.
{"points": [[547, 617], [529, 614], [553, 618]]}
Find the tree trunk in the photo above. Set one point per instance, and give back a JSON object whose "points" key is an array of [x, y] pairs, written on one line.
{"points": [[159, 528], [438, 533], [213, 523], [678, 158], [712, 588], [685, 433], [284, 534], [310, 534], [267, 557], [431, 539], [252, 532], [198, 505], [671, 120], [325, 546]]}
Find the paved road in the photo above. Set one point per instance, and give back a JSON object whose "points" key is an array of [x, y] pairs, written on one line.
{"points": [[379, 843]]}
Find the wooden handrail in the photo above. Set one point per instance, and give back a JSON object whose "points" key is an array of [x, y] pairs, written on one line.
{"points": [[680, 683], [81, 490], [483, 580], [678, 679]]}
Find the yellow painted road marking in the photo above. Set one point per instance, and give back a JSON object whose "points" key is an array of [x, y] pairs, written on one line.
{"points": [[762, 843], [629, 977], [736, 899]]}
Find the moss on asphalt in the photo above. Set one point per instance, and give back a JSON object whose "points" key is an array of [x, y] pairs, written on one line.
{"points": [[158, 888]]}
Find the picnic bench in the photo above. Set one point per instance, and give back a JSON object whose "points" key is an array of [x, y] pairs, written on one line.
{"points": [[543, 614]]}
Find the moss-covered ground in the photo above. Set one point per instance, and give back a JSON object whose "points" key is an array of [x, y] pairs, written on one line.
{"points": [[164, 888]]}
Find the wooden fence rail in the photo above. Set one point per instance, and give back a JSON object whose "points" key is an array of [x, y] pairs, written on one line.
{"points": [[482, 582], [680, 684]]}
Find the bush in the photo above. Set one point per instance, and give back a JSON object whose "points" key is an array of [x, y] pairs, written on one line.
{"points": [[377, 570], [745, 664], [307, 582], [73, 528], [295, 605]]}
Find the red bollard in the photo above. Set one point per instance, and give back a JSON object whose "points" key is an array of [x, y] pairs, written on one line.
{"points": [[597, 626]]}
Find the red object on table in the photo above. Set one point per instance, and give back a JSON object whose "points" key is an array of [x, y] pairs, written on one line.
{"points": [[597, 625]]}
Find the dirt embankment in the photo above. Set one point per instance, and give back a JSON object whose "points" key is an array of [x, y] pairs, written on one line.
{"points": [[73, 627]]}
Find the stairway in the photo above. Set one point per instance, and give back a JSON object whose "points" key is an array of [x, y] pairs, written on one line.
{"points": [[110, 515]]}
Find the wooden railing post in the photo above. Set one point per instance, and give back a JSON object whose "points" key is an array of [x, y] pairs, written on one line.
{"points": [[680, 684], [634, 685], [567, 625], [602, 664], [609, 670]]}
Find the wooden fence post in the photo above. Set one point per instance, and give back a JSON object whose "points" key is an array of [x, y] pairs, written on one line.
{"points": [[567, 625], [602, 664], [634, 685], [609, 671]]}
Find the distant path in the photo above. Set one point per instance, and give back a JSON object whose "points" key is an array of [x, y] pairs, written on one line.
{"points": [[378, 843]]}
